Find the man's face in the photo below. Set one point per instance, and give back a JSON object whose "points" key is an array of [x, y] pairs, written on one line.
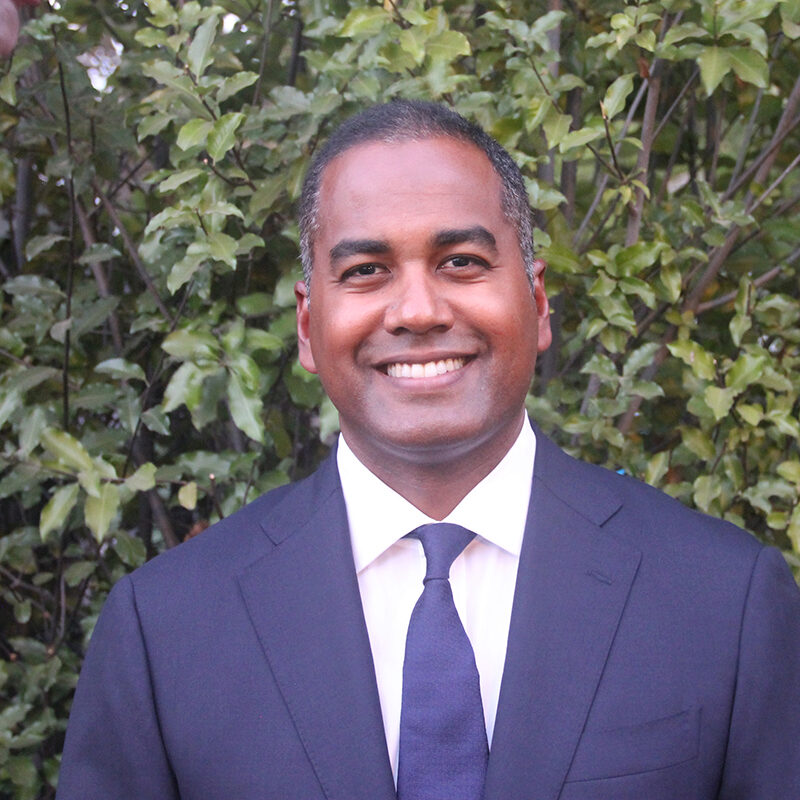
{"points": [[421, 321]]}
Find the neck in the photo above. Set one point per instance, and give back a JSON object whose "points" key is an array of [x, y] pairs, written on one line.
{"points": [[435, 482]]}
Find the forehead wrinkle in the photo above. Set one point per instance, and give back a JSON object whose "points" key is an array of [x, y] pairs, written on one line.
{"points": [[353, 247], [476, 233]]}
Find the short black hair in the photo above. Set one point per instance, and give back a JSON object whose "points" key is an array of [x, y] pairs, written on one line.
{"points": [[415, 120]]}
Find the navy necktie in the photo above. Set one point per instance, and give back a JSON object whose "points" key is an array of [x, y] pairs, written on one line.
{"points": [[443, 749]]}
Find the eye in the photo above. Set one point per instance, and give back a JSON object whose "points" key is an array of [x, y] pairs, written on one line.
{"points": [[363, 271], [465, 263]]}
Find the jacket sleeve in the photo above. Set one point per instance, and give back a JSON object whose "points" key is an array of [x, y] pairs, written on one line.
{"points": [[763, 755], [114, 747]]}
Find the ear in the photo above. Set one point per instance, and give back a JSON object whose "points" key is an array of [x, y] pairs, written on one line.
{"points": [[303, 327], [542, 304]]}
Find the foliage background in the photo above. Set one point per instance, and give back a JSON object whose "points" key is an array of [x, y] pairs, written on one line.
{"points": [[151, 156]]}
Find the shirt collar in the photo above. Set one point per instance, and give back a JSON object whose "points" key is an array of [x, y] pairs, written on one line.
{"points": [[496, 509]]}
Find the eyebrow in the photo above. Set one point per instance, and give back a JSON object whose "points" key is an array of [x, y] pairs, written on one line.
{"points": [[477, 234], [355, 247]]}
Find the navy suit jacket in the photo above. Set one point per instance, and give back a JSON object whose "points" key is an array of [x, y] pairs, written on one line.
{"points": [[653, 654]]}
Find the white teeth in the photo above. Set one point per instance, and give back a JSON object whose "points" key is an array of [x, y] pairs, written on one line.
{"points": [[429, 369]]}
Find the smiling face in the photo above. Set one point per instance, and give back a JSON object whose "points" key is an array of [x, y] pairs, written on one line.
{"points": [[421, 324]]}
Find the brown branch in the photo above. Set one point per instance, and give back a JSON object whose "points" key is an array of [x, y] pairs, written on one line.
{"points": [[133, 254], [774, 185], [262, 62], [643, 161], [766, 156], [100, 277], [782, 129], [601, 187]]}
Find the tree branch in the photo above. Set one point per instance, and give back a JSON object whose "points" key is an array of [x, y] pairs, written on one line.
{"points": [[133, 254]]}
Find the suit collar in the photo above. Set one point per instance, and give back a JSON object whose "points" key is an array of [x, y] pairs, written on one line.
{"points": [[304, 603], [573, 583]]}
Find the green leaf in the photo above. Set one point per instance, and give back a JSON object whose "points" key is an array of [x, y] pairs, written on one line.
{"points": [[175, 79], [30, 430], [562, 259], [364, 23], [657, 468], [183, 270], [161, 13], [448, 45], [130, 549], [738, 326], [258, 339], [185, 387], [121, 369], [698, 443], [22, 772], [98, 252], [746, 370], [715, 64], [143, 479], [616, 94], [579, 138], [245, 407], [156, 420], [672, 280], [58, 508], [223, 248], [194, 132], [39, 244], [150, 37], [100, 511], [79, 571], [187, 495], [184, 176], [790, 471], [199, 55], [9, 402], [749, 65], [751, 414], [22, 611], [222, 136], [234, 84], [68, 450], [556, 127], [8, 89], [646, 40], [695, 356], [413, 40], [634, 259], [688, 30], [719, 400], [185, 344]]}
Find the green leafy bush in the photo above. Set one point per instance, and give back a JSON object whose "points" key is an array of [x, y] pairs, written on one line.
{"points": [[151, 156]]}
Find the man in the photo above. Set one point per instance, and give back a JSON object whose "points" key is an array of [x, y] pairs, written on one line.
{"points": [[625, 647]]}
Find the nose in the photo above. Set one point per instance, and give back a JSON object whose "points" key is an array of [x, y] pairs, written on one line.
{"points": [[418, 305]]}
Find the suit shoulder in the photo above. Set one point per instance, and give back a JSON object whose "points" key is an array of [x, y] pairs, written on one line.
{"points": [[642, 514], [234, 542]]}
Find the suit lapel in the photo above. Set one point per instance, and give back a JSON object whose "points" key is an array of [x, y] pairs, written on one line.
{"points": [[573, 583], [304, 603]]}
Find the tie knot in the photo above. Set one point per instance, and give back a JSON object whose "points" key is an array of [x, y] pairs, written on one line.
{"points": [[442, 542]]}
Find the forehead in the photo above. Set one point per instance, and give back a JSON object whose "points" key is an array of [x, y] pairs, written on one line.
{"points": [[440, 180]]}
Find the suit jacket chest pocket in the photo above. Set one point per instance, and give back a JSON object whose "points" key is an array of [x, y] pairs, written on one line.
{"points": [[651, 759]]}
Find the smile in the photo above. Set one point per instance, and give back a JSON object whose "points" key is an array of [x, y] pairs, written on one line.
{"points": [[429, 369]]}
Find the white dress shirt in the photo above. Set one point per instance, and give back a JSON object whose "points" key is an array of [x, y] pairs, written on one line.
{"points": [[390, 569]]}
